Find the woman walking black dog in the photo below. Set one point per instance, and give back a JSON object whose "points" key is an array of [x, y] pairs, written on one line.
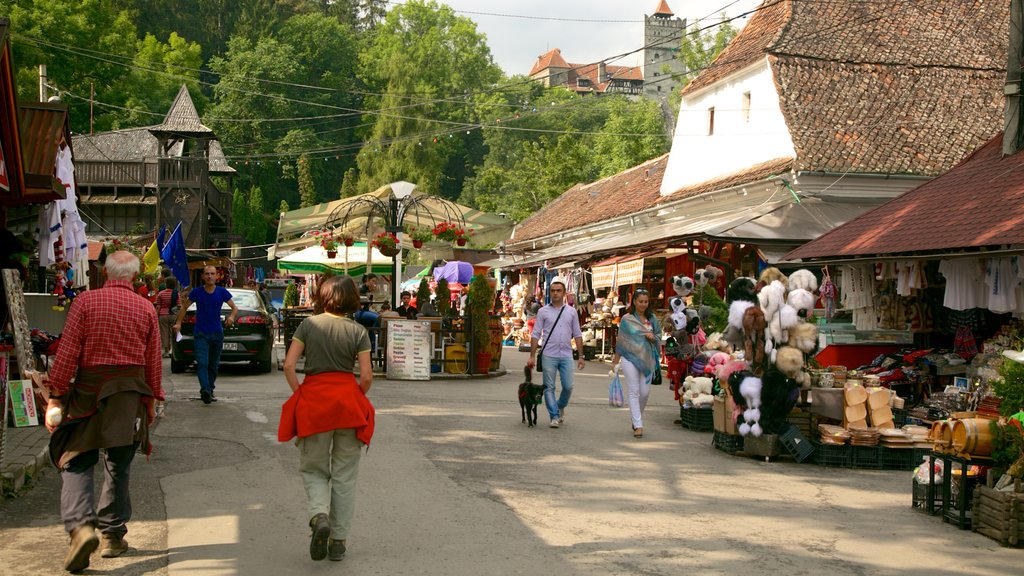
{"points": [[329, 412]]}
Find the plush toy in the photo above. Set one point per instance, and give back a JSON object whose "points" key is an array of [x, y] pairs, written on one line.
{"points": [[733, 334], [801, 299], [716, 341], [804, 337], [682, 285], [729, 368], [754, 329], [772, 298], [750, 390], [778, 396], [741, 289], [769, 275], [699, 384], [790, 361], [803, 280], [715, 361], [704, 276]]}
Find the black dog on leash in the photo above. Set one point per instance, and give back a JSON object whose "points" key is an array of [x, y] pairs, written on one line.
{"points": [[530, 396]]}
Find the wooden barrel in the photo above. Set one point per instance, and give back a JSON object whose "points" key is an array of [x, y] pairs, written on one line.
{"points": [[941, 435], [972, 436]]}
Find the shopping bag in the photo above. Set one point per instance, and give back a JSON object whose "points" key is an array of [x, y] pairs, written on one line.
{"points": [[615, 391]]}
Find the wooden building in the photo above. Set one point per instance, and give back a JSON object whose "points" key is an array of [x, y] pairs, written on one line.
{"points": [[157, 175]]}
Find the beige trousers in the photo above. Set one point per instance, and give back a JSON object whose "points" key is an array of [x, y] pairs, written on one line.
{"points": [[329, 464]]}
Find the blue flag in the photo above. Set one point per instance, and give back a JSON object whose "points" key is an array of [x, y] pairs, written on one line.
{"points": [[174, 256], [161, 237]]}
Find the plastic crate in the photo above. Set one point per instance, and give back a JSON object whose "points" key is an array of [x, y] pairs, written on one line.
{"points": [[766, 446], [922, 493], [896, 458], [728, 443], [868, 457], [799, 446], [697, 419], [832, 455], [918, 456], [899, 417]]}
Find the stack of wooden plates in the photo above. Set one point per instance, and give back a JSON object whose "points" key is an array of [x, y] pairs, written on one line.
{"points": [[893, 438], [833, 434], [864, 436], [919, 434]]}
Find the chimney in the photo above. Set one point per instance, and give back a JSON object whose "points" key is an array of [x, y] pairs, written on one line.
{"points": [[601, 71]]}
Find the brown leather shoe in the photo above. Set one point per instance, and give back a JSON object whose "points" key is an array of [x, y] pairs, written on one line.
{"points": [[83, 543], [336, 550], [112, 546]]}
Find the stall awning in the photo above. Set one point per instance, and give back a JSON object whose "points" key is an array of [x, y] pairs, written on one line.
{"points": [[631, 272], [603, 276]]}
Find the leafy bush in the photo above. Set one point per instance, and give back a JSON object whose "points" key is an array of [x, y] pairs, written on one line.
{"points": [[443, 298], [1010, 387], [291, 296], [481, 299]]}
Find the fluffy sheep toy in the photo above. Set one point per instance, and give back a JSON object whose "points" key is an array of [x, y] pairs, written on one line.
{"points": [[803, 280], [801, 300], [804, 337], [698, 391], [790, 361]]}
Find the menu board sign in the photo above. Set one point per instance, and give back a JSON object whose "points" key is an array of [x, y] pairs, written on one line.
{"points": [[408, 350]]}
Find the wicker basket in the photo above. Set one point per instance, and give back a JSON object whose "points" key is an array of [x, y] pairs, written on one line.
{"points": [[728, 443], [697, 419]]}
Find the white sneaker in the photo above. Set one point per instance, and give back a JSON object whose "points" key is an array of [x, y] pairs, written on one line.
{"points": [[554, 423], [561, 415]]}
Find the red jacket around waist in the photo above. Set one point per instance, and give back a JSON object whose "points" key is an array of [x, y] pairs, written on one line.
{"points": [[324, 402]]}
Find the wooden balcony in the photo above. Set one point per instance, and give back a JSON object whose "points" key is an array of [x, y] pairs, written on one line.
{"points": [[136, 174], [182, 172]]}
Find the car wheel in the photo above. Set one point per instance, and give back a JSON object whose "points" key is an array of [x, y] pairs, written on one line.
{"points": [[178, 366]]}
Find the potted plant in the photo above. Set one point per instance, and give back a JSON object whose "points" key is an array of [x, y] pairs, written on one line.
{"points": [[481, 299], [443, 297], [448, 232], [328, 242], [348, 240], [386, 243], [419, 235], [291, 295]]}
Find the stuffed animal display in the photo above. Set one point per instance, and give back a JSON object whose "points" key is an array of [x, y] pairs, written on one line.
{"points": [[697, 392]]}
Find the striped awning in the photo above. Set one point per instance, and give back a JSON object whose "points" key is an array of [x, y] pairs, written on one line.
{"points": [[631, 272], [603, 276]]}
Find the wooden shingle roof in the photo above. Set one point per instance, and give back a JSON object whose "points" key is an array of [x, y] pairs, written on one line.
{"points": [[624, 193], [182, 119], [979, 203]]}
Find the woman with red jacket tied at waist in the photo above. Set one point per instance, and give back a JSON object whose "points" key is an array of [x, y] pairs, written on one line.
{"points": [[329, 412]]}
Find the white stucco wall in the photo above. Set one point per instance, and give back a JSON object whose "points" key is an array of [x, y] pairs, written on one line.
{"points": [[737, 143]]}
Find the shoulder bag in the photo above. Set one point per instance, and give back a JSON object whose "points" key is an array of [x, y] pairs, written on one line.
{"points": [[547, 338]]}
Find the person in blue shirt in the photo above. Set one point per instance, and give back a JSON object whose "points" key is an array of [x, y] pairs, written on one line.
{"points": [[208, 336]]}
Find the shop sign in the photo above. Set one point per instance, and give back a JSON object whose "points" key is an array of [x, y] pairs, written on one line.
{"points": [[5, 183], [23, 403], [408, 350]]}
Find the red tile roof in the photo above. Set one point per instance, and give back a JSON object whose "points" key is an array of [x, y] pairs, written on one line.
{"points": [[624, 193], [628, 192], [663, 9], [748, 47], [551, 58], [979, 203], [878, 87]]}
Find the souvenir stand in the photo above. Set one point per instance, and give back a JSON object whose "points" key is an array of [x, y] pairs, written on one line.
{"points": [[958, 289]]}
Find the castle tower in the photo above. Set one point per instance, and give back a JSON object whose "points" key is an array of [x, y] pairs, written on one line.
{"points": [[663, 32]]}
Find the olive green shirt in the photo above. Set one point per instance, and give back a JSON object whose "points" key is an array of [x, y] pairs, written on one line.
{"points": [[331, 343]]}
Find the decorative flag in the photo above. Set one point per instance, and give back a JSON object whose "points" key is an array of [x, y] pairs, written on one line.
{"points": [[174, 256], [151, 259], [161, 238]]}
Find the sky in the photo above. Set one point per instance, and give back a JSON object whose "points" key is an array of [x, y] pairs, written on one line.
{"points": [[517, 42]]}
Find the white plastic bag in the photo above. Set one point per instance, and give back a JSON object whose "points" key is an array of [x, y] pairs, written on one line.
{"points": [[615, 391]]}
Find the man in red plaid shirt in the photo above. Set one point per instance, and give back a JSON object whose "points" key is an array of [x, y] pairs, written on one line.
{"points": [[111, 346]]}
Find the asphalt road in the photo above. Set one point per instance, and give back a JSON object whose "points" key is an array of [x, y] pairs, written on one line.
{"points": [[455, 484]]}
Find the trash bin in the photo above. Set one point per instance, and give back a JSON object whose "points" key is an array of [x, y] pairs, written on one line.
{"points": [[455, 359]]}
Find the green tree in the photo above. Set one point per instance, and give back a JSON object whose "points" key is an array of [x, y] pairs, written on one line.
{"points": [[307, 191], [615, 151], [348, 184], [259, 227], [240, 213], [419, 57], [161, 69]]}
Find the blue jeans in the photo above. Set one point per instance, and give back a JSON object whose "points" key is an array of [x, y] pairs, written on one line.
{"points": [[371, 321], [208, 348], [564, 368]]}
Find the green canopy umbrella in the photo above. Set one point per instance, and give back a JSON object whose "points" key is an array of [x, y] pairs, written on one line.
{"points": [[350, 260]]}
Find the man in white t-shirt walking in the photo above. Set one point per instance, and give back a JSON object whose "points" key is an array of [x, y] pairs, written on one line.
{"points": [[559, 325]]}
